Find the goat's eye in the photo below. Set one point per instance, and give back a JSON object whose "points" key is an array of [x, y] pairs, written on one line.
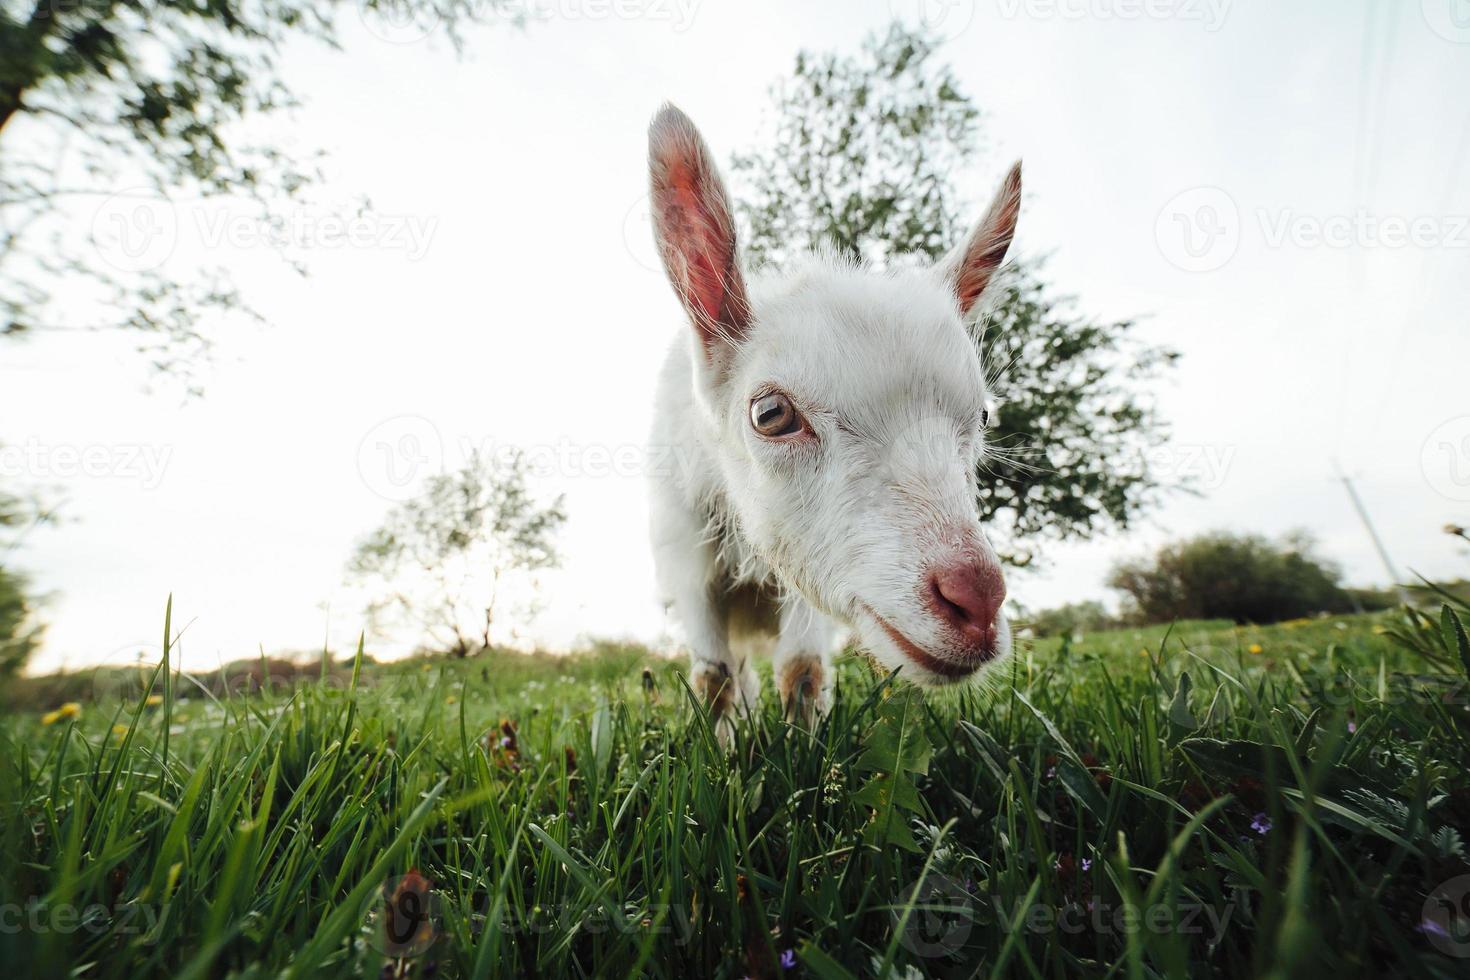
{"points": [[773, 415]]}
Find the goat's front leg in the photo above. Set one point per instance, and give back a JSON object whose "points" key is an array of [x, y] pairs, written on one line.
{"points": [[688, 570], [803, 661]]}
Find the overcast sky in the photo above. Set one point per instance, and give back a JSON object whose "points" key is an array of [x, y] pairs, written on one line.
{"points": [[1277, 189]]}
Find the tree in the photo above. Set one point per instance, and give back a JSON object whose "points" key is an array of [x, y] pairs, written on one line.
{"points": [[144, 98], [20, 634], [1244, 578], [441, 559], [860, 160], [1088, 616]]}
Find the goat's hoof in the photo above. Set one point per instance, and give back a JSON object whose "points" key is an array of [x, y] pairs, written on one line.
{"points": [[805, 696], [724, 695]]}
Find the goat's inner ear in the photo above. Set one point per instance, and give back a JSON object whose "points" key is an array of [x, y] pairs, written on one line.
{"points": [[971, 268], [695, 233]]}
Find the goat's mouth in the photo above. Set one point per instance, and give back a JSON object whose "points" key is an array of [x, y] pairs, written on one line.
{"points": [[948, 670]]}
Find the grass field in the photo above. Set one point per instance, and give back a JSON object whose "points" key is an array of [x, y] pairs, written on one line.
{"points": [[1223, 801]]}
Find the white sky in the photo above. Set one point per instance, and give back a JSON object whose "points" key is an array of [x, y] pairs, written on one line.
{"points": [[529, 312]]}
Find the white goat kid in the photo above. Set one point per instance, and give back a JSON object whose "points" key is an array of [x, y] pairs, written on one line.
{"points": [[827, 425]]}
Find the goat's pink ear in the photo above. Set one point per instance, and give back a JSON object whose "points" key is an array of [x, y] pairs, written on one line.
{"points": [[694, 230], [971, 268]]}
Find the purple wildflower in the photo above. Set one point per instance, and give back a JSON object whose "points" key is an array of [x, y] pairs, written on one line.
{"points": [[505, 741], [1261, 824], [1087, 864], [1352, 727], [788, 960]]}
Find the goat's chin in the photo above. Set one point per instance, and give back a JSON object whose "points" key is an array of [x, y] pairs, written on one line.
{"points": [[932, 666]]}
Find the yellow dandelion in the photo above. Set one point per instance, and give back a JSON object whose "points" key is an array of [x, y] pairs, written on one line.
{"points": [[69, 710], [154, 700], [451, 699], [120, 730], [1254, 648]]}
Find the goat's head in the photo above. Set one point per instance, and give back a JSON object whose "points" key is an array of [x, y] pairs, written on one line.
{"points": [[849, 408]]}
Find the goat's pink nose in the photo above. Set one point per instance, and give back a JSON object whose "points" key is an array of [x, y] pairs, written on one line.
{"points": [[968, 597]]}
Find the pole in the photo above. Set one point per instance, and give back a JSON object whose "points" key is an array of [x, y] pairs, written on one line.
{"points": [[1393, 573]]}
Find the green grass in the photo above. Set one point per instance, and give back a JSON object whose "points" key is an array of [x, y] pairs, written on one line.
{"points": [[1091, 812]]}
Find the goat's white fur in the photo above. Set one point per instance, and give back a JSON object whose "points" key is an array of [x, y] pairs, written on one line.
{"points": [[843, 526]]}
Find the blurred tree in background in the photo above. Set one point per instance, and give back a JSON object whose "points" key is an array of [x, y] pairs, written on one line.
{"points": [[862, 160], [110, 106], [440, 560], [112, 112], [1089, 616], [1245, 578], [20, 633]]}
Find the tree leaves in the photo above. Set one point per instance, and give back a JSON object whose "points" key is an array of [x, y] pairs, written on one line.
{"points": [[440, 559], [861, 160]]}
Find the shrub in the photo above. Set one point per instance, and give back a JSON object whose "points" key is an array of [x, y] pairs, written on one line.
{"points": [[1074, 617], [19, 636], [1245, 578]]}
